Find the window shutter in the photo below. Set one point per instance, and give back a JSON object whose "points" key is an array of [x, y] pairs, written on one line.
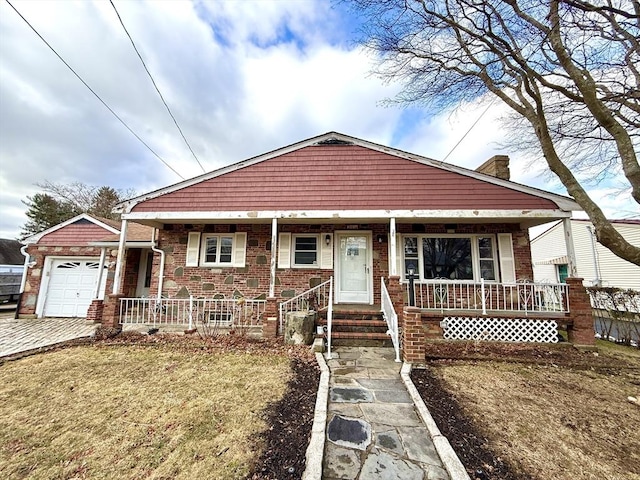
{"points": [[284, 250], [507, 261], [193, 249], [240, 249], [326, 252]]}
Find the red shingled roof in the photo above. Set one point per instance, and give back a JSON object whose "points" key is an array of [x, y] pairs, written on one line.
{"points": [[341, 177]]}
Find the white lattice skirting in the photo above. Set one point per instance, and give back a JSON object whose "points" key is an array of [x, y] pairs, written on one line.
{"points": [[500, 329]]}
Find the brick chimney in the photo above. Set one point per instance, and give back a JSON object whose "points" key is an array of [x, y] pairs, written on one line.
{"points": [[496, 166]]}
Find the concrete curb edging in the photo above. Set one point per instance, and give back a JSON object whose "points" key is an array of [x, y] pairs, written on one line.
{"points": [[452, 463], [9, 357], [315, 450]]}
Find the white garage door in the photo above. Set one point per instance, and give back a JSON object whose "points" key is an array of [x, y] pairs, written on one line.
{"points": [[71, 287]]}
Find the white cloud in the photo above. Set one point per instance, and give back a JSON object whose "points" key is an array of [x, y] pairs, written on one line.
{"points": [[242, 78]]}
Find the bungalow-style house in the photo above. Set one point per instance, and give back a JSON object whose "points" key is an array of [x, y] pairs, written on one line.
{"points": [[349, 228], [595, 263], [71, 264]]}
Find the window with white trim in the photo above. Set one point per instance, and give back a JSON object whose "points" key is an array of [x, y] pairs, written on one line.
{"points": [[305, 251], [451, 257], [216, 250]]}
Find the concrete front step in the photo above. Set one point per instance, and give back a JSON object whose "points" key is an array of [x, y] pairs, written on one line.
{"points": [[364, 326], [360, 339], [357, 326]]}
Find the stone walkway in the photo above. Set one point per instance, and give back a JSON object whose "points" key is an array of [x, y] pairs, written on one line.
{"points": [[373, 430], [18, 336]]}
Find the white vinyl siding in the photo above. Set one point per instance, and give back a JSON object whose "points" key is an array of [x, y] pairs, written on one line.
{"points": [[614, 271]]}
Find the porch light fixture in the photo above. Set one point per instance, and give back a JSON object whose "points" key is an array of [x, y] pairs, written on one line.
{"points": [[327, 239], [381, 238]]}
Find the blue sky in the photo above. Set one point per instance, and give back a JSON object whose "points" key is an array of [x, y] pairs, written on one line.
{"points": [[241, 77]]}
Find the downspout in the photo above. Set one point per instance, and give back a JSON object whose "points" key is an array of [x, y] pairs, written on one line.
{"points": [[23, 281], [161, 272], [596, 266]]}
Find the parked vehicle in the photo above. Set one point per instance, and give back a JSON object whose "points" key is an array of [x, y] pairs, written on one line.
{"points": [[9, 286]]}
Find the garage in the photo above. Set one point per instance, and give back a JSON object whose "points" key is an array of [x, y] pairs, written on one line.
{"points": [[71, 287]]}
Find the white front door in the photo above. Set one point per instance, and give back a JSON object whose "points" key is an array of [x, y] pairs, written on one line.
{"points": [[353, 282]]}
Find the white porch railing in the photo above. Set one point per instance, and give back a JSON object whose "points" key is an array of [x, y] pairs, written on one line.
{"points": [[391, 317], [316, 298], [495, 297], [232, 312]]}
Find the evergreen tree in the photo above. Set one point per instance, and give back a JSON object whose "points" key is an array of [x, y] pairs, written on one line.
{"points": [[44, 211]]}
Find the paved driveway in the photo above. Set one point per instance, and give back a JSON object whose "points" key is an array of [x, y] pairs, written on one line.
{"points": [[22, 335]]}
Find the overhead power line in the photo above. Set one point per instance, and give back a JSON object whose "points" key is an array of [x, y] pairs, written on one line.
{"points": [[156, 86], [468, 131], [94, 93]]}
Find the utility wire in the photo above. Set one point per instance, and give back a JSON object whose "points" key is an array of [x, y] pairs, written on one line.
{"points": [[94, 93], [468, 131], [156, 86]]}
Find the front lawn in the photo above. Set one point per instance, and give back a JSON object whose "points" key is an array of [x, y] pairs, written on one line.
{"points": [[136, 411], [519, 412]]}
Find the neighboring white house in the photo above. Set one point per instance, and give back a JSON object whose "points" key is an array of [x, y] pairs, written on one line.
{"points": [[594, 262]]}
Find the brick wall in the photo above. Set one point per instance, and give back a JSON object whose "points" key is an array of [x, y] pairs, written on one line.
{"points": [[413, 336], [253, 279]]}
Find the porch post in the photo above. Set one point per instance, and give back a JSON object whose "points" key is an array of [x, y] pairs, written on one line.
{"points": [[392, 246], [117, 280], [274, 249], [571, 252]]}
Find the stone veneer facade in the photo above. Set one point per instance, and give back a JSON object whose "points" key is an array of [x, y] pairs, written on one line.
{"points": [[252, 280]]}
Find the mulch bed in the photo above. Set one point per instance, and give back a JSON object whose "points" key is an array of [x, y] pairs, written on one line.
{"points": [[561, 354], [290, 422]]}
